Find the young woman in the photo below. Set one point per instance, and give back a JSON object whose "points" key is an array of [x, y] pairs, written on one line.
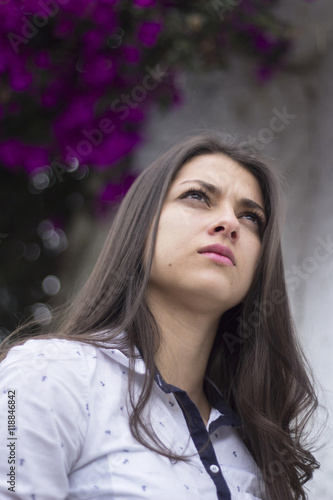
{"points": [[177, 373]]}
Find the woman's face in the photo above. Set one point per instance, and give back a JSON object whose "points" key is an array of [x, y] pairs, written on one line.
{"points": [[212, 201]]}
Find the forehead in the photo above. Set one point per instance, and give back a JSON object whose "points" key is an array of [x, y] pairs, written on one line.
{"points": [[222, 171]]}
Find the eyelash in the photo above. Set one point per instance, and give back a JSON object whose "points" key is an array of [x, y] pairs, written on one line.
{"points": [[257, 215], [259, 220], [202, 192]]}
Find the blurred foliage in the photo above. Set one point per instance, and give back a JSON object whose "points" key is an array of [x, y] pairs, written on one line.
{"points": [[77, 82]]}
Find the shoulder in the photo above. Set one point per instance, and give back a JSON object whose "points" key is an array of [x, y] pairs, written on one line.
{"points": [[50, 348], [67, 359], [63, 376], [39, 355], [46, 366]]}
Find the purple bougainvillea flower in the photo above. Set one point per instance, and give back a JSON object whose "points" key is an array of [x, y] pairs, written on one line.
{"points": [[4, 56], [113, 192], [136, 115], [19, 78], [11, 154], [132, 54], [15, 155], [148, 33], [264, 73], [113, 148], [79, 113], [63, 28], [78, 8], [128, 115], [31, 7], [128, 181], [98, 71], [93, 40], [144, 3], [99, 149], [104, 14], [262, 41], [110, 193], [42, 59], [10, 18], [34, 157], [52, 95]]}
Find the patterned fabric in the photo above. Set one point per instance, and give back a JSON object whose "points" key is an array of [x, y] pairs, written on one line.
{"points": [[74, 442]]}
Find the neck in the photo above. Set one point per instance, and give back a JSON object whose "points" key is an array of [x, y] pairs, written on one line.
{"points": [[186, 341]]}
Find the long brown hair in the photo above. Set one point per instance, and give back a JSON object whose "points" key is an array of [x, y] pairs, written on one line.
{"points": [[256, 360]]}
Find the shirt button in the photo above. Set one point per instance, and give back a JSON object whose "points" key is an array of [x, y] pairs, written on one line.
{"points": [[214, 468]]}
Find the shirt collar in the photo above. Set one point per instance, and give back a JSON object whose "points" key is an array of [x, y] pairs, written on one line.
{"points": [[215, 398], [124, 360]]}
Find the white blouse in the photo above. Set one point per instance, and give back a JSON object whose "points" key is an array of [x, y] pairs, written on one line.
{"points": [[64, 433]]}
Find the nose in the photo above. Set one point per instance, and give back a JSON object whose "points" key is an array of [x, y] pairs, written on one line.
{"points": [[225, 223]]}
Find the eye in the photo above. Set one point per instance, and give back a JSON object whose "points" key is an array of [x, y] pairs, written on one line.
{"points": [[196, 194], [256, 217]]}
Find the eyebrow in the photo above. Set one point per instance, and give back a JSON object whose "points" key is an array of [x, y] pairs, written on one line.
{"points": [[216, 191]]}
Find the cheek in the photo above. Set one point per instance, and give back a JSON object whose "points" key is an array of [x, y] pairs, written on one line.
{"points": [[166, 249], [172, 233], [171, 247], [251, 249], [148, 243], [254, 253]]}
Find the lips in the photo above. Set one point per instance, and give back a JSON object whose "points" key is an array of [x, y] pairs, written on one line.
{"points": [[219, 250]]}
